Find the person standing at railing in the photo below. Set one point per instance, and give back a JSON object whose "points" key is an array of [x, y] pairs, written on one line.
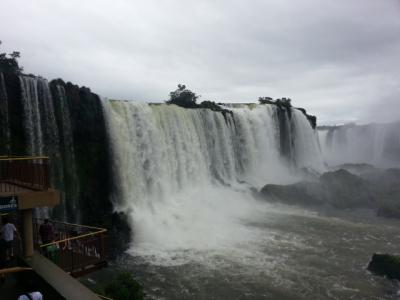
{"points": [[53, 252], [7, 234], [46, 232]]}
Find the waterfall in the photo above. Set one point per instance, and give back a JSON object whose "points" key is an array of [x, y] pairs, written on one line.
{"points": [[32, 116], [48, 131], [306, 143], [179, 173], [376, 144]]}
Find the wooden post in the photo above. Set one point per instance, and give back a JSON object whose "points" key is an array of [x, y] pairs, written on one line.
{"points": [[27, 227]]}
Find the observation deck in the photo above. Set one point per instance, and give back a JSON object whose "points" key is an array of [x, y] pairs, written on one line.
{"points": [[26, 180], [76, 249]]}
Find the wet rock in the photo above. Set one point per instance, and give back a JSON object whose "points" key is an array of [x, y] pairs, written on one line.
{"points": [[304, 193], [346, 190], [309, 174], [389, 211], [339, 189], [385, 265], [341, 177], [356, 169]]}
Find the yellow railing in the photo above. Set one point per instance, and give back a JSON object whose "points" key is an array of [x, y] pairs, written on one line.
{"points": [[75, 248], [79, 237], [12, 158]]}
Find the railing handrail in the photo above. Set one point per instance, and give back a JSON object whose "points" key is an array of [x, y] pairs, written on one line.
{"points": [[72, 224], [79, 249], [74, 238], [13, 158], [104, 297], [24, 171], [98, 231]]}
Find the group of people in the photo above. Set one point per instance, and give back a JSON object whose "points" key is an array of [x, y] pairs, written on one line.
{"points": [[8, 232]]}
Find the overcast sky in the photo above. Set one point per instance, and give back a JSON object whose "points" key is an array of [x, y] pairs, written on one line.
{"points": [[339, 59]]}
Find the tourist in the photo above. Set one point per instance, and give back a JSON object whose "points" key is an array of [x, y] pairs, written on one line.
{"points": [[30, 293], [7, 234], [31, 296], [46, 232]]}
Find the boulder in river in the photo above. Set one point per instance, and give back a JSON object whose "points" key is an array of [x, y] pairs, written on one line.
{"points": [[385, 265]]}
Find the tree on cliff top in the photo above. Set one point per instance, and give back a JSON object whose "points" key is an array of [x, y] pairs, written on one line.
{"points": [[265, 100], [9, 63], [285, 102], [183, 97]]}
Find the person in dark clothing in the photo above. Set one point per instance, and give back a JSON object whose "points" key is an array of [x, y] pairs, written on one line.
{"points": [[46, 232]]}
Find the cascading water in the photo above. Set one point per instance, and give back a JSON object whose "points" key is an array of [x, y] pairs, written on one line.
{"points": [[46, 136], [183, 175], [376, 144], [306, 143], [32, 116], [41, 129]]}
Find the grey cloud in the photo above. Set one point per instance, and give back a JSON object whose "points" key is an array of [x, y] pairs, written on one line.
{"points": [[338, 59]]}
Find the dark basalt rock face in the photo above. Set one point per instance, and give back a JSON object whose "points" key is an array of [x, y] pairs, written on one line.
{"points": [[385, 265], [286, 139], [11, 112], [346, 190], [91, 149], [215, 107], [389, 211], [357, 169], [303, 193]]}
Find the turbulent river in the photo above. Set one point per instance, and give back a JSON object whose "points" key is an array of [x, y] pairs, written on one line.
{"points": [[277, 252]]}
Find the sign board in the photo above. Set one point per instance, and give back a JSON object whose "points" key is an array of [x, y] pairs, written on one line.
{"points": [[9, 203]]}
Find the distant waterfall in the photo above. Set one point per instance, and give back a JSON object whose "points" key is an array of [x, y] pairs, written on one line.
{"points": [[376, 144], [172, 163]]}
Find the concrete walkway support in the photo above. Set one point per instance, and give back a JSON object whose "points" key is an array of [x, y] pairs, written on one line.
{"points": [[27, 234]]}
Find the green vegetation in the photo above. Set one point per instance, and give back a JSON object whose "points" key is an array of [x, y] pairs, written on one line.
{"points": [[286, 103], [9, 62], [183, 97], [123, 287], [282, 102]]}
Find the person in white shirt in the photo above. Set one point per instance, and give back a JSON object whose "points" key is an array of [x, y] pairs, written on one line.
{"points": [[7, 234], [31, 296]]}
